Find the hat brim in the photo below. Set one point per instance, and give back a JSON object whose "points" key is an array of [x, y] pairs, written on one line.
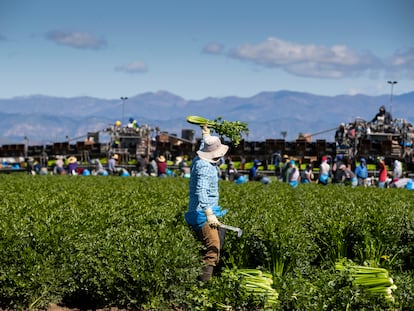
{"points": [[213, 156]]}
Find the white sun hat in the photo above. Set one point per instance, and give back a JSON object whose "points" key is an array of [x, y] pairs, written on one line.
{"points": [[213, 149]]}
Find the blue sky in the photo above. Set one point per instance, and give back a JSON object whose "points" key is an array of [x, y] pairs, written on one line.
{"points": [[197, 49]]}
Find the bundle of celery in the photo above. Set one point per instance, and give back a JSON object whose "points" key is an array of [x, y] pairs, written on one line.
{"points": [[374, 280], [258, 283], [232, 129]]}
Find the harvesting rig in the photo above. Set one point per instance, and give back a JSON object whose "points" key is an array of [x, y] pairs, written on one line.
{"points": [[354, 140], [146, 141], [392, 141]]}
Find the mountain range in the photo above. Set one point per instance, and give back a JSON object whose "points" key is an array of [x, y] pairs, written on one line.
{"points": [[42, 119]]}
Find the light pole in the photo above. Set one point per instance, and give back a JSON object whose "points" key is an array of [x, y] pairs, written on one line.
{"points": [[26, 146], [392, 88], [123, 108]]}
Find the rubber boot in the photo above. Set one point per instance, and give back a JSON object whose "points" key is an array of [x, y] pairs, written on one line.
{"points": [[206, 274]]}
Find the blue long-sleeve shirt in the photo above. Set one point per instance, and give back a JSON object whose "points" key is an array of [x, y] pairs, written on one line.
{"points": [[203, 193], [361, 172], [204, 181]]}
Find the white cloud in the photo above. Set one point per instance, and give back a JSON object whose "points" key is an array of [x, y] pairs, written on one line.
{"points": [[213, 48], [311, 60], [401, 64], [404, 58], [78, 40], [134, 67]]}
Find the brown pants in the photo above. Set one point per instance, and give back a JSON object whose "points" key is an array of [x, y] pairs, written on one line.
{"points": [[211, 241]]}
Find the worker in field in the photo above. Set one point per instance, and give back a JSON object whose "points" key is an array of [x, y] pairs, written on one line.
{"points": [[30, 166], [337, 174], [324, 171], [232, 173], [72, 165], [277, 159], [383, 173], [152, 168], [99, 169], [255, 175], [294, 175], [254, 171], [307, 175], [161, 166], [361, 173], [141, 164], [396, 170], [203, 208], [349, 176], [59, 169], [284, 168], [184, 169], [112, 165]]}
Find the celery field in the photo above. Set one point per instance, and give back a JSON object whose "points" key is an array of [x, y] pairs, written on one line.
{"points": [[91, 242]]}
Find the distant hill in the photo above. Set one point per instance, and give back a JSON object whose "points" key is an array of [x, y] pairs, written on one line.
{"points": [[44, 119]]}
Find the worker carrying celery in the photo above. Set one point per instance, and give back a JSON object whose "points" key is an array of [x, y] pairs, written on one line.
{"points": [[203, 208]]}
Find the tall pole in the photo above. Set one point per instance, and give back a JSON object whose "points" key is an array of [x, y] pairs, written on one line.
{"points": [[123, 109], [392, 88], [26, 146]]}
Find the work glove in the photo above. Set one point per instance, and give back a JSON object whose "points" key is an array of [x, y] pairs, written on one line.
{"points": [[205, 131], [211, 218]]}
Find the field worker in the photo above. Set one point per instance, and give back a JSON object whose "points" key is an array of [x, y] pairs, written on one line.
{"points": [[112, 163], [203, 208], [254, 173], [324, 170], [99, 169], [232, 174], [337, 174], [59, 166], [277, 160], [161, 166], [397, 170], [141, 165], [294, 176], [307, 175], [350, 177], [284, 167], [152, 167], [361, 173], [184, 169], [72, 165], [382, 178]]}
